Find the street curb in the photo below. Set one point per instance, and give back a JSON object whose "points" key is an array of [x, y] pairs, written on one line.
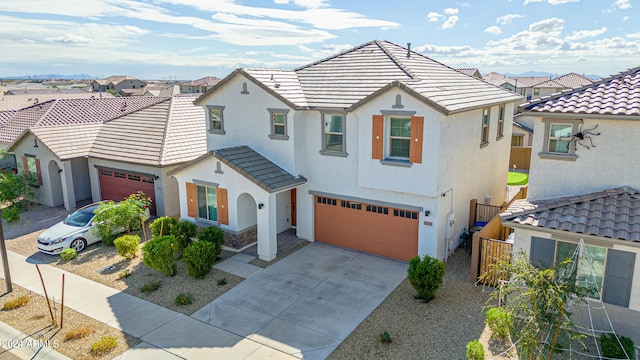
{"points": [[25, 347]]}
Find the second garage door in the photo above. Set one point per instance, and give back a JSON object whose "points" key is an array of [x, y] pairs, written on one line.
{"points": [[117, 185], [382, 230]]}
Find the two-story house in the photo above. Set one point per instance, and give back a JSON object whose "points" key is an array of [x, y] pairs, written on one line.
{"points": [[584, 185], [377, 148], [117, 83], [198, 86]]}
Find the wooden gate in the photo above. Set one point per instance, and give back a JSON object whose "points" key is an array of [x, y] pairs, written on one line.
{"points": [[491, 251]]}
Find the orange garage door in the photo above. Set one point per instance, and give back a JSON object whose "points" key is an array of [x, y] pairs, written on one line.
{"points": [[381, 230], [117, 185]]}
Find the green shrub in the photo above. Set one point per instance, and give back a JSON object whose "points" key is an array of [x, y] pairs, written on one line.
{"points": [[199, 258], [159, 253], [128, 245], [184, 231], [109, 239], [183, 299], [162, 226], [68, 254], [426, 276], [20, 301], [150, 286], [104, 345], [475, 350], [222, 282], [11, 214], [213, 235], [123, 274], [385, 337], [611, 348], [499, 321]]}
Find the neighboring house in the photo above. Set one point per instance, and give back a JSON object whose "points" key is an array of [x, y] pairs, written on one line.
{"points": [[198, 86], [521, 134], [377, 148], [471, 72], [161, 90], [586, 189], [521, 85], [117, 83], [109, 148], [561, 83], [17, 102]]}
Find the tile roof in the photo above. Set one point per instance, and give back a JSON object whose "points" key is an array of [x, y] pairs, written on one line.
{"points": [[48, 91], [353, 77], [62, 112], [68, 142], [618, 94], [469, 71], [16, 102], [205, 81], [522, 126], [613, 214], [258, 169], [498, 79], [570, 80]]}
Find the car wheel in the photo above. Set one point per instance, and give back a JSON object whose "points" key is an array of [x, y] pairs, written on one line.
{"points": [[78, 244]]}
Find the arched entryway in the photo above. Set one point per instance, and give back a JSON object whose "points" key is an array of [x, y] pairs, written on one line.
{"points": [[247, 218], [55, 181]]}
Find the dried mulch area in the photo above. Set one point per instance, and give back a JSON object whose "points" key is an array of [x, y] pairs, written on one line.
{"points": [[438, 329], [98, 257], [34, 320]]}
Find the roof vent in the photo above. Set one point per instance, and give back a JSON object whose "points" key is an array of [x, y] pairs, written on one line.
{"points": [[408, 50]]}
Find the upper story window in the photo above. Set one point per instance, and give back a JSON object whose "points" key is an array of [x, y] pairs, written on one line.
{"points": [[216, 119], [485, 126], [333, 134], [278, 123], [500, 122], [557, 139], [536, 91], [399, 138]]}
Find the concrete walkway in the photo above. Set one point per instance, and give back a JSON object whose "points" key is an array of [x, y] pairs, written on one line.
{"points": [[303, 306]]}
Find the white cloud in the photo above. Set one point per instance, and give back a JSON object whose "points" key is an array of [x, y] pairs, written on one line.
{"points": [[633, 36], [552, 25], [450, 22], [465, 4], [433, 16], [450, 11], [506, 19], [622, 4], [582, 34], [625, 18], [526, 2], [494, 30], [70, 38]]}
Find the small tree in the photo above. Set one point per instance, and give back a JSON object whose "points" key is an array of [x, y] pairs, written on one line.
{"points": [[162, 226], [15, 190], [159, 253], [125, 216], [535, 300], [426, 276], [128, 245], [199, 258], [184, 231], [213, 235]]}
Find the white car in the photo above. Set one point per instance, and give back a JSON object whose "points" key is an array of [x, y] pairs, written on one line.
{"points": [[75, 232]]}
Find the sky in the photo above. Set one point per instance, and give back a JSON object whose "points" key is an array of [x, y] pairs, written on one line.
{"points": [[191, 39]]}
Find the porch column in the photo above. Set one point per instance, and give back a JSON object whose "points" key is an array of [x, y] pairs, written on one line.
{"points": [[267, 229], [68, 192]]}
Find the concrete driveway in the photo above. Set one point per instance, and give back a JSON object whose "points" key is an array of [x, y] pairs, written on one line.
{"points": [[307, 303]]}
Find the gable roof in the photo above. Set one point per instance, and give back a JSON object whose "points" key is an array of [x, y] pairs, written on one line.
{"points": [[349, 79], [205, 81], [471, 72], [260, 170], [613, 214], [570, 80], [618, 94]]}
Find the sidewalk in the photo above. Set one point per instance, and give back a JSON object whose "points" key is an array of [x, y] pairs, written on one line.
{"points": [[165, 334]]}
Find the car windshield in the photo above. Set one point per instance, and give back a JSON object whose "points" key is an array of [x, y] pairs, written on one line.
{"points": [[80, 217]]}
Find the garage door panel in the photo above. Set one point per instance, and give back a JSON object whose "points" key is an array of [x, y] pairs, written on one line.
{"points": [[382, 234], [117, 185]]}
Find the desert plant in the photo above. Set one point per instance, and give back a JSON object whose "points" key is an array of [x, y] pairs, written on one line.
{"points": [[222, 282], [213, 235], [162, 226], [499, 321], [68, 254], [16, 303], [125, 216], [425, 275], [385, 337], [104, 345], [123, 274], [184, 231], [128, 245], [611, 347], [11, 213], [199, 258], [183, 299], [159, 253], [475, 350], [150, 286], [78, 332], [16, 190]]}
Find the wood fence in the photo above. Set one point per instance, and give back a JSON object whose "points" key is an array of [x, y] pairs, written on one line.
{"points": [[492, 251], [520, 157]]}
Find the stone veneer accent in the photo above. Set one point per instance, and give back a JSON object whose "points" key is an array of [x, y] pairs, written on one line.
{"points": [[241, 239]]}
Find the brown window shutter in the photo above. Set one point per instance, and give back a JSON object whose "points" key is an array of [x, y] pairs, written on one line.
{"points": [[223, 209], [39, 174], [192, 204], [377, 139], [25, 165], [415, 148]]}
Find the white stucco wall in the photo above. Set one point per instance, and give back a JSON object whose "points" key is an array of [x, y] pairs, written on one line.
{"points": [[610, 164], [162, 184], [26, 146], [81, 181]]}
